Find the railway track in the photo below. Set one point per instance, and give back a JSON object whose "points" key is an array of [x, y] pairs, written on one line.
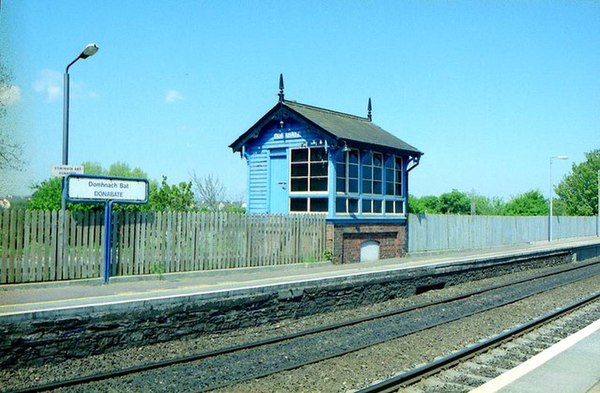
{"points": [[473, 366], [223, 367]]}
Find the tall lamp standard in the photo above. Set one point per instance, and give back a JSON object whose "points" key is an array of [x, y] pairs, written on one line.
{"points": [[88, 51], [551, 195]]}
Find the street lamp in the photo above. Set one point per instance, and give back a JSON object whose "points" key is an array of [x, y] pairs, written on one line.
{"points": [[88, 51], [551, 194]]}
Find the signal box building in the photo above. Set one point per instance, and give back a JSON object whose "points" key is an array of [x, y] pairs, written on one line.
{"points": [[305, 159]]}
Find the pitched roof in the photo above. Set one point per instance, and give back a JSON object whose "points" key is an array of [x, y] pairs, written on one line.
{"points": [[340, 125]]}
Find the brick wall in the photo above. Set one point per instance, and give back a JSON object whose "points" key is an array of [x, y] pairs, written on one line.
{"points": [[345, 240]]}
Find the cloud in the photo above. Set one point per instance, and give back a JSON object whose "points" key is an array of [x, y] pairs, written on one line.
{"points": [[49, 83], [173, 96], [10, 94]]}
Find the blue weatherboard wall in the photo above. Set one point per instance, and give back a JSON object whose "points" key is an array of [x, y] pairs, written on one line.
{"points": [[272, 147]]}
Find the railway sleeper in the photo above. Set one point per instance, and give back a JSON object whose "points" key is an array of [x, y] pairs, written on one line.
{"points": [[482, 369], [436, 385]]}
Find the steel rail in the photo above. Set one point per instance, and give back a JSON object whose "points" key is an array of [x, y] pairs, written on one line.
{"points": [[414, 375], [203, 355]]}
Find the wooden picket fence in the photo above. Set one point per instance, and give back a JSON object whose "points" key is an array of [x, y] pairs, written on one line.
{"points": [[31, 243]]}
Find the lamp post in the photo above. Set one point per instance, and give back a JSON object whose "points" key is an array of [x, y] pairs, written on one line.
{"points": [[551, 195], [89, 50]]}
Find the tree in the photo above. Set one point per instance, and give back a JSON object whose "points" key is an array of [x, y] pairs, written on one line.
{"points": [[531, 203], [10, 150], [578, 191], [171, 198], [121, 169], [455, 202], [428, 204], [46, 195], [485, 206], [211, 192]]}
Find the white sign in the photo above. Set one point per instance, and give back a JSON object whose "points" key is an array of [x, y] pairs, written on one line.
{"points": [[66, 170], [107, 189]]}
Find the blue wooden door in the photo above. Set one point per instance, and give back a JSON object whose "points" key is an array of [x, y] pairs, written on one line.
{"points": [[278, 185]]}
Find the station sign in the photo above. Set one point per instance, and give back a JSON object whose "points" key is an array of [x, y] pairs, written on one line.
{"points": [[66, 170], [86, 188]]}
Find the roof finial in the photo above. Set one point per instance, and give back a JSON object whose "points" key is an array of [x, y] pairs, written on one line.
{"points": [[369, 108], [281, 99]]}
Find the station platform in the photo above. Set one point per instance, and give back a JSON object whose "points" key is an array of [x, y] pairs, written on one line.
{"points": [[570, 366], [45, 298]]}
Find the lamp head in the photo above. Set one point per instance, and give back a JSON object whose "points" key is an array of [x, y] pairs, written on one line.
{"points": [[89, 50]]}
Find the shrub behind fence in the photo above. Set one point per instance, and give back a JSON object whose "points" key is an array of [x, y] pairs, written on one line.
{"points": [[31, 247]]}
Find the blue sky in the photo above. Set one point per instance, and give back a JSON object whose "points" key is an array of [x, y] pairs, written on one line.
{"points": [[489, 90]]}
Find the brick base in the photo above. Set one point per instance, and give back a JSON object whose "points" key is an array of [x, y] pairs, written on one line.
{"points": [[345, 240]]}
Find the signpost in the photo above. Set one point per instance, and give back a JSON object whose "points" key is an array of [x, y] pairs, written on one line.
{"points": [[107, 190], [66, 170]]}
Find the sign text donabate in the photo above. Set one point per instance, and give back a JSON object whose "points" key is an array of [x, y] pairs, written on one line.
{"points": [[107, 189]]}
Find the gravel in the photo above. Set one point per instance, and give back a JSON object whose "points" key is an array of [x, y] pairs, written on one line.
{"points": [[336, 375]]}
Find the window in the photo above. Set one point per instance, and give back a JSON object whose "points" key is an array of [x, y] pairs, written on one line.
{"points": [[308, 171], [371, 206], [347, 172], [393, 176], [308, 174], [346, 205], [372, 173], [380, 178], [313, 205], [394, 206]]}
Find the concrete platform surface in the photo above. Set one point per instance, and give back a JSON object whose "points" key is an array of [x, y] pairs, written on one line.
{"points": [[39, 297], [570, 366]]}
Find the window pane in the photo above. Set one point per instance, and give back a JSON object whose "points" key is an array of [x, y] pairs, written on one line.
{"points": [[376, 206], [299, 204], [390, 175], [398, 163], [318, 154], [399, 207], [318, 184], [367, 172], [367, 160], [340, 169], [389, 206], [340, 185], [377, 187], [389, 163], [318, 204], [299, 155], [340, 205], [377, 173], [367, 187], [299, 169], [398, 189], [353, 156], [300, 184], [366, 206], [318, 169], [352, 205], [376, 159], [389, 188], [353, 186], [353, 171]]}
